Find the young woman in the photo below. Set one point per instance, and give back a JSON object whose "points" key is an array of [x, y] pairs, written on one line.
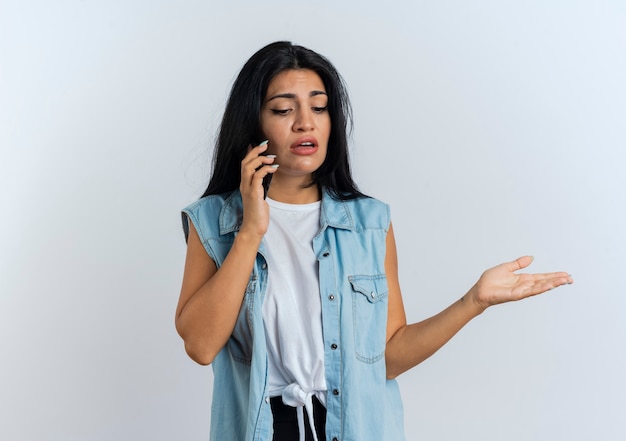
{"points": [[291, 291]]}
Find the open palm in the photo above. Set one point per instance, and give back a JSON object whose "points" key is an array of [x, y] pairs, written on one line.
{"points": [[501, 284]]}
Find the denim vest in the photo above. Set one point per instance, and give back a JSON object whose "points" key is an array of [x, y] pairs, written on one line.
{"points": [[362, 404]]}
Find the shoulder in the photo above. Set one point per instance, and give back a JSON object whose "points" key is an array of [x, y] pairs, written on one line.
{"points": [[370, 212], [363, 212], [209, 203], [211, 214]]}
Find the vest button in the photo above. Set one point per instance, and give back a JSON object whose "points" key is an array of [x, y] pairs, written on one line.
{"points": [[333, 346], [331, 297], [264, 266], [335, 439], [326, 254], [335, 391]]}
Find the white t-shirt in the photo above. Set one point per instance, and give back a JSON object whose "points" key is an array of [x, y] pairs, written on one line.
{"points": [[292, 310]]}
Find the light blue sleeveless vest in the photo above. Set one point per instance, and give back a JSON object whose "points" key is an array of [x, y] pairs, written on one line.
{"points": [[350, 247]]}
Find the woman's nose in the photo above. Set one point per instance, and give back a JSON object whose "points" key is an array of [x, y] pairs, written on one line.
{"points": [[303, 122]]}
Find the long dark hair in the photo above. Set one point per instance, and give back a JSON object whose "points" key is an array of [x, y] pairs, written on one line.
{"points": [[241, 121]]}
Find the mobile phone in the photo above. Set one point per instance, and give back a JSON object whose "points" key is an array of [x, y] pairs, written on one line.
{"points": [[267, 179], [266, 184]]}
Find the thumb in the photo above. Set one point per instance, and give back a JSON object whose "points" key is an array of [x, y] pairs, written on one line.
{"points": [[519, 263]]}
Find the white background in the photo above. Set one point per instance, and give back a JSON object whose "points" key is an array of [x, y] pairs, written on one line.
{"points": [[493, 128]]}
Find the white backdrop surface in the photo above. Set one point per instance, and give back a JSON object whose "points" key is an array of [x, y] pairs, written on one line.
{"points": [[494, 129]]}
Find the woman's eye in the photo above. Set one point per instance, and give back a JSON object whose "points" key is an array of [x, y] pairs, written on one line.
{"points": [[280, 111], [320, 109]]}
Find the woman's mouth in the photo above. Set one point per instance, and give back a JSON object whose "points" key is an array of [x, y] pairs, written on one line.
{"points": [[304, 146]]}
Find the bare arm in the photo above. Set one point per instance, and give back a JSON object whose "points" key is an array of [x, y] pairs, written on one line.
{"points": [[210, 298], [409, 345]]}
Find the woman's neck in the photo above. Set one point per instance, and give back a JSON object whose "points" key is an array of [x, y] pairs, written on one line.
{"points": [[293, 194]]}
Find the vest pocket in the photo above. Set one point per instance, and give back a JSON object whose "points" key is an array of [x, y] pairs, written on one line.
{"points": [[369, 309]]}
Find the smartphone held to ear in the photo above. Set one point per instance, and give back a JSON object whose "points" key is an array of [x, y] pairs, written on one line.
{"points": [[268, 178], [266, 184]]}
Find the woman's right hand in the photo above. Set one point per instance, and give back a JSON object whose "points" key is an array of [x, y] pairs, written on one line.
{"points": [[211, 297], [254, 167]]}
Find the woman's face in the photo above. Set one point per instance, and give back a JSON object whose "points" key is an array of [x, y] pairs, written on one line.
{"points": [[295, 121]]}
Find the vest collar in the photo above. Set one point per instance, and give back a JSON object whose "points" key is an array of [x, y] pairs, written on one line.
{"points": [[334, 213]]}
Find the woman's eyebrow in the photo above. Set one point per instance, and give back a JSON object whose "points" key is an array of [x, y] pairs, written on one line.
{"points": [[292, 96]]}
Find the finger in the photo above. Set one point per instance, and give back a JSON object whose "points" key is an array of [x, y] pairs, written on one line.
{"points": [[256, 187], [250, 168], [253, 161], [531, 287], [262, 172], [547, 276], [258, 149], [533, 284], [256, 162], [544, 286], [265, 160], [518, 264], [254, 152]]}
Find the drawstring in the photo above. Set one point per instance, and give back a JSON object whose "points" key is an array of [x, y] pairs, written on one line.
{"points": [[294, 396]]}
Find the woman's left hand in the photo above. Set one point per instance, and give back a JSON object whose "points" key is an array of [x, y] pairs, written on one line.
{"points": [[501, 284]]}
